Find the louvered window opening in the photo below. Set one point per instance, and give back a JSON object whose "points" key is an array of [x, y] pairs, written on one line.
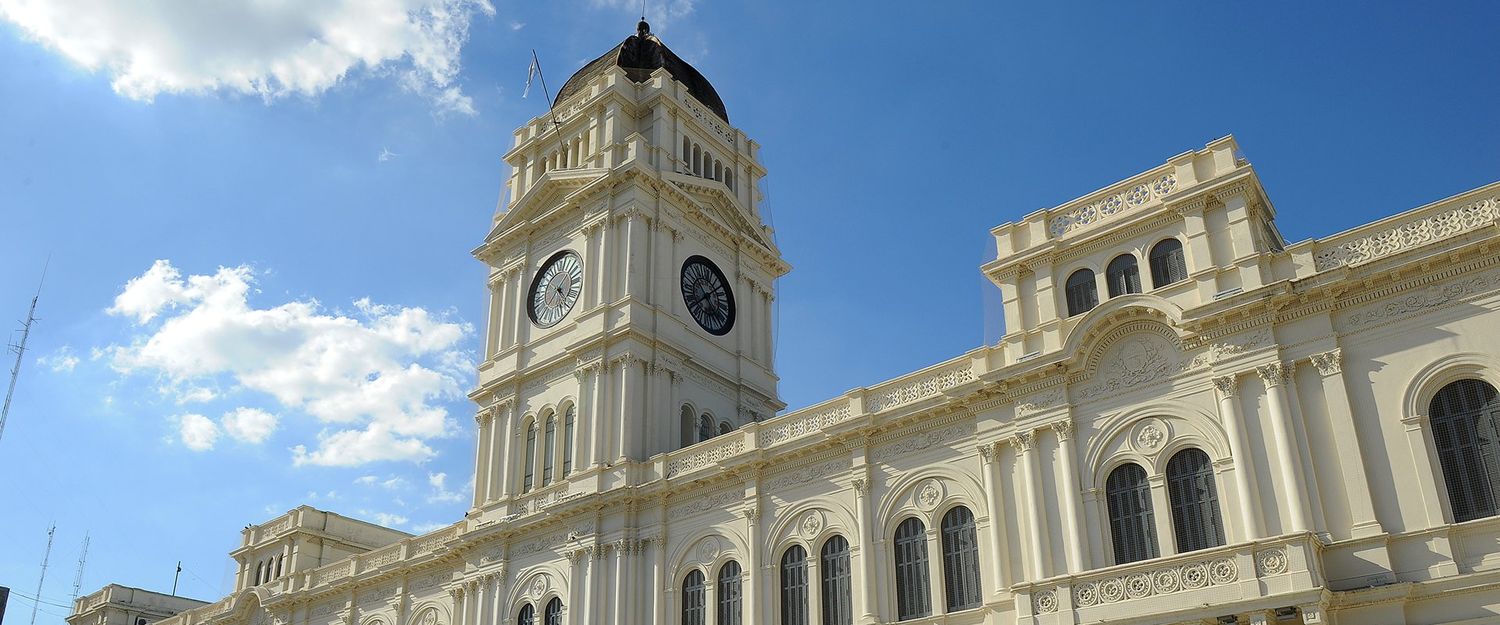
{"points": [[961, 560], [693, 612], [1196, 520], [1132, 527], [1123, 276], [549, 446], [1082, 294], [838, 602], [730, 594], [913, 594], [568, 441], [553, 614], [794, 587], [705, 427], [530, 472], [527, 615], [1465, 419], [1167, 263]]}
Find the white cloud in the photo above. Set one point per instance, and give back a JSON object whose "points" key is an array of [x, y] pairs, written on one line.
{"points": [[250, 425], [269, 49], [514, 25], [428, 527], [374, 379], [365, 480], [440, 492], [386, 519], [197, 432], [60, 361], [658, 12]]}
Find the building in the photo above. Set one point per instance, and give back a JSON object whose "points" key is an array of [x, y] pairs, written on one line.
{"points": [[1188, 420]]}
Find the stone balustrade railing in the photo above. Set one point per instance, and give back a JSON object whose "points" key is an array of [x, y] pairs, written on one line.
{"points": [[1415, 228], [1143, 190], [1267, 568]]}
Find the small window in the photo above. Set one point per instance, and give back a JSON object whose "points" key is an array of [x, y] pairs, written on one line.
{"points": [[730, 594], [553, 614], [961, 560], [1195, 501], [527, 615], [1167, 263], [530, 470], [1123, 277], [549, 449], [568, 441], [794, 586], [913, 597], [705, 427], [1082, 294], [1465, 421], [725, 428], [838, 602], [1132, 527], [692, 599], [688, 427]]}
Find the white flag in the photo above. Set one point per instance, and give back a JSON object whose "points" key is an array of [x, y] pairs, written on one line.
{"points": [[530, 73]]}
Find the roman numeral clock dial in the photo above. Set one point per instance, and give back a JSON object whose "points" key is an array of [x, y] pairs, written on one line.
{"points": [[555, 289], [707, 295]]}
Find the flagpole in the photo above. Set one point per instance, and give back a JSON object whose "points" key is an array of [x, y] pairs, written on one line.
{"points": [[556, 125]]}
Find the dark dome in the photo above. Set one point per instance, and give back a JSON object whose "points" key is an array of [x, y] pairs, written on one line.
{"points": [[640, 55]]}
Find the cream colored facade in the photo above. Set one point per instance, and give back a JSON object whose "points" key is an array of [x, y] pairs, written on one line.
{"points": [[1304, 372]]}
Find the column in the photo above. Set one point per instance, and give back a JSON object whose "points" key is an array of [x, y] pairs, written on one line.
{"points": [[1239, 454], [1033, 497], [752, 578], [576, 593], [866, 547], [492, 329], [602, 281], [1075, 540], [621, 592], [598, 603], [480, 590], [1346, 438], [513, 293], [1288, 459], [632, 376], [1423, 452], [989, 453], [483, 465], [1161, 514], [502, 478], [593, 262], [457, 594], [636, 256]]}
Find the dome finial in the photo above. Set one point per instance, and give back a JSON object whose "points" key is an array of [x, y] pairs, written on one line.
{"points": [[642, 29]]}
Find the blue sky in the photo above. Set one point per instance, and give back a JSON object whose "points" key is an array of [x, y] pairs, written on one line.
{"points": [[248, 308]]}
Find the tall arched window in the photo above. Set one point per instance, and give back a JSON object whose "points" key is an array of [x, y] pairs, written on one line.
{"points": [[1131, 525], [730, 594], [794, 586], [279, 561], [260, 573], [530, 472], [1083, 296], [689, 426], [1123, 276], [838, 600], [692, 599], [1195, 501], [549, 449], [568, 441], [1466, 429], [705, 427], [961, 560], [1167, 263], [913, 599], [725, 428], [527, 615], [553, 614]]}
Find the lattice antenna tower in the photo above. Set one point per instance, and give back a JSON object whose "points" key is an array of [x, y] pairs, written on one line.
{"points": [[43, 577], [83, 555], [20, 350]]}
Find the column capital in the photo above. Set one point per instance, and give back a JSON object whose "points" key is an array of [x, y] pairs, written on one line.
{"points": [[1276, 373], [1063, 427], [987, 452], [1330, 362], [1227, 385], [861, 485], [1023, 440]]}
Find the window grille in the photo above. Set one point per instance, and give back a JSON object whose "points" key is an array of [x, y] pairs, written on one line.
{"points": [[961, 560], [1123, 276], [838, 602], [1195, 501], [530, 472], [1465, 424], [1082, 294], [692, 599], [549, 449], [553, 614], [568, 441], [1131, 524], [1167, 263], [913, 596], [730, 594], [527, 615], [794, 586]]}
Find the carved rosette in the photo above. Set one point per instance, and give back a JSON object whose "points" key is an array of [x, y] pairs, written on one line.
{"points": [[1164, 581], [1271, 561], [928, 495], [1150, 436], [1045, 602], [812, 523]]}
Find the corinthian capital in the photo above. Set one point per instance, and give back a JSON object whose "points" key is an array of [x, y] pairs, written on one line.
{"points": [[1276, 373], [1226, 385]]}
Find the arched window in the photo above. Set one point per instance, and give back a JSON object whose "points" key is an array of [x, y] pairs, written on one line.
{"points": [[838, 600], [688, 426], [961, 560], [687, 151], [729, 594], [1167, 263], [568, 441], [260, 572], [530, 471], [693, 612], [725, 428], [697, 161], [1131, 525], [549, 449], [1083, 296], [279, 560], [729, 179], [913, 599], [794, 586], [1123, 276], [1466, 429], [705, 427], [527, 615], [553, 614], [1195, 501]]}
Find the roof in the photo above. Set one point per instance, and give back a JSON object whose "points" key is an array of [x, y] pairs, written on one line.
{"points": [[640, 55]]}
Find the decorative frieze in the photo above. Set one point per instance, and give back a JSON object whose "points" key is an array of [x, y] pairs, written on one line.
{"points": [[1124, 199], [1409, 235], [706, 457], [814, 422], [704, 503], [1163, 581], [925, 440], [807, 474], [1435, 296], [1039, 402]]}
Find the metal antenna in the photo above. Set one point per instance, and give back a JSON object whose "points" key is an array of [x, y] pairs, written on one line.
{"points": [[82, 556], [48, 554], [20, 348]]}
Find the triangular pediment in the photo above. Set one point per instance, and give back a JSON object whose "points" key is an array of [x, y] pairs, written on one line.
{"points": [[711, 198], [553, 190]]}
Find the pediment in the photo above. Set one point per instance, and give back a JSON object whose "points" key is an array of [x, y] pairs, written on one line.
{"points": [[555, 188], [710, 198]]}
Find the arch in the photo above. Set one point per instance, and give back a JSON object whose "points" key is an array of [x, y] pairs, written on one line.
{"points": [[790, 526], [1122, 276], [725, 544], [1112, 319], [729, 178], [1197, 521], [729, 594], [959, 487], [1168, 265], [1186, 424], [694, 608], [526, 615], [1081, 292], [960, 546], [835, 588], [705, 427], [687, 151], [528, 472], [1465, 421], [1433, 376], [552, 614], [697, 160], [689, 427], [725, 428], [570, 417], [419, 612], [794, 590], [536, 586], [913, 590], [549, 446], [1132, 526]]}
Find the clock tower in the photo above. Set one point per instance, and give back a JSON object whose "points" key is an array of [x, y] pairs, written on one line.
{"points": [[630, 285]]}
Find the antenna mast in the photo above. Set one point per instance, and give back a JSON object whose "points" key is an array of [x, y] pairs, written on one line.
{"points": [[20, 350], [45, 556], [82, 556]]}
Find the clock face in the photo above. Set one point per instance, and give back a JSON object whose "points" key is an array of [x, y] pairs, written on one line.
{"points": [[555, 289], [707, 295]]}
